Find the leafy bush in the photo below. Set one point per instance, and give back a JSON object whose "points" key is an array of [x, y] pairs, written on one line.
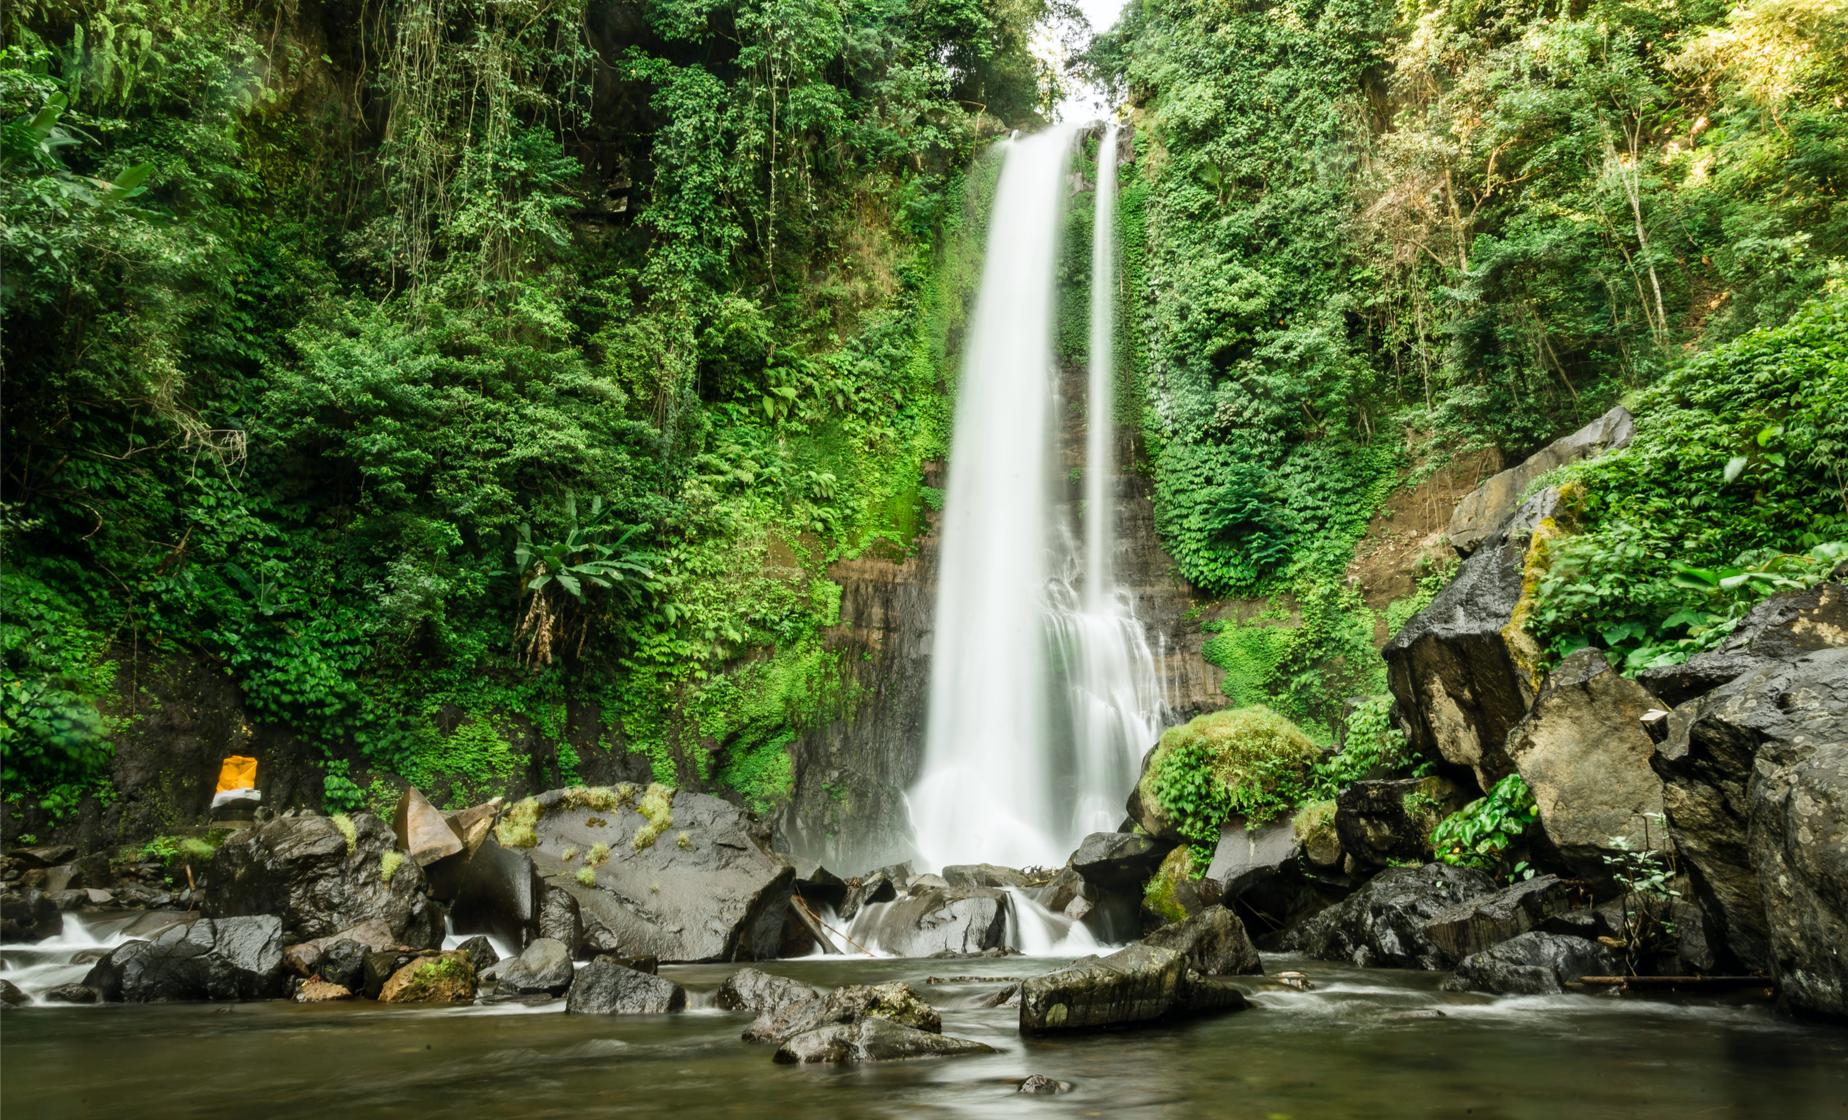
{"points": [[54, 739], [1480, 834], [1249, 762]]}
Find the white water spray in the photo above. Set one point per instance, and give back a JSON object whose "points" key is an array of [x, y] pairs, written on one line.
{"points": [[1042, 698]]}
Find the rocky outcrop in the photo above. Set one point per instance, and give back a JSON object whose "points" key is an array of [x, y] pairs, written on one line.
{"points": [[321, 875], [1782, 628], [1478, 515], [1462, 670], [1388, 822], [1532, 964], [446, 977], [226, 958], [931, 920], [542, 968], [1476, 924], [679, 877], [607, 987], [1583, 752], [28, 915], [1382, 925], [1756, 794], [873, 1040]]}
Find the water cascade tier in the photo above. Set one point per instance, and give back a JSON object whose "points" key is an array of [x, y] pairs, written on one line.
{"points": [[1044, 690]]}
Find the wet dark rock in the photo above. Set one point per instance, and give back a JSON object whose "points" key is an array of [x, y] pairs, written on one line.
{"points": [[480, 952], [821, 887], [344, 963], [933, 920], [1385, 823], [304, 958], [1140, 984], [1584, 753], [1461, 673], [605, 987], [678, 876], [444, 977], [1244, 856], [28, 915], [542, 968], [968, 876], [73, 993], [305, 870], [499, 891], [1039, 1084], [1476, 924], [1381, 925], [1782, 628], [1534, 963], [209, 959], [765, 994], [381, 965], [1756, 793], [873, 1040], [1212, 942], [1008, 996], [1481, 511], [893, 1001], [43, 855], [11, 996]]}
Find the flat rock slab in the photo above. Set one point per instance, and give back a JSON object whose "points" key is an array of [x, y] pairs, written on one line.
{"points": [[873, 1040]]}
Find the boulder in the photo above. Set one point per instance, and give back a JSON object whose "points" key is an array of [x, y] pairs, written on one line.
{"points": [[1316, 838], [1040, 1085], [1782, 628], [473, 824], [1212, 942], [1175, 893], [344, 963], [1381, 925], [677, 876], [209, 959], [1244, 856], [820, 886], [1140, 984], [1756, 793], [1483, 509], [28, 915], [1583, 751], [72, 993], [1118, 861], [893, 1001], [42, 855], [321, 991], [498, 891], [304, 957], [606, 987], [11, 996], [542, 968], [1389, 823], [321, 875], [421, 830], [873, 1040], [937, 919], [381, 965], [1475, 924], [481, 952], [446, 977], [765, 994], [881, 885], [1463, 671], [1534, 963], [559, 919]]}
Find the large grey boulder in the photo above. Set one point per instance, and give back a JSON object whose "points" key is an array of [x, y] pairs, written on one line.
{"points": [[1463, 670], [542, 968], [765, 994], [1388, 822], [1140, 984], [1212, 942], [675, 876], [1118, 860], [1476, 924], [1382, 925], [932, 920], [1245, 856], [1532, 964], [1487, 506], [321, 875], [1782, 628], [893, 1001], [873, 1040], [1583, 752], [1756, 793], [605, 987], [225, 958]]}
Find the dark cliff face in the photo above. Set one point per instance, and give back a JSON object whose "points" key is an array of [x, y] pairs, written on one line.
{"points": [[847, 808]]}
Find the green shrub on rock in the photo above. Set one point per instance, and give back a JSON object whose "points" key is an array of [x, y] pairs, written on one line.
{"points": [[1246, 761]]}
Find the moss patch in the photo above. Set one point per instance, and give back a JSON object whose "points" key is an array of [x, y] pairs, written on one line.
{"points": [[389, 861], [1161, 895], [657, 807], [518, 823], [343, 824]]}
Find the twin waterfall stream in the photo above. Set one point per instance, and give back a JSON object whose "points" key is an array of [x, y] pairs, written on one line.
{"points": [[1044, 691]]}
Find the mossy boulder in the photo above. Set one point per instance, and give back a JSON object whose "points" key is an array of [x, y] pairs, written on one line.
{"points": [[1314, 829], [1258, 759], [1174, 893], [447, 977]]}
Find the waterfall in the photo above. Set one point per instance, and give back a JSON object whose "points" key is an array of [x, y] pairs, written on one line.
{"points": [[1043, 690]]}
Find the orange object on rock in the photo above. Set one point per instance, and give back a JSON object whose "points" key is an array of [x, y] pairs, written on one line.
{"points": [[238, 772]]}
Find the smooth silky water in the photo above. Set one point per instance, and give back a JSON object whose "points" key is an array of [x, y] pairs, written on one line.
{"points": [[1363, 1044]]}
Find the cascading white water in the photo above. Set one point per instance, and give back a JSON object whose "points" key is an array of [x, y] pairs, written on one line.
{"points": [[983, 793], [1042, 696]]}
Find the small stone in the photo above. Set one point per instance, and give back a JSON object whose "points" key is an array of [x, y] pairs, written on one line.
{"points": [[1039, 1084], [320, 991], [1296, 980]]}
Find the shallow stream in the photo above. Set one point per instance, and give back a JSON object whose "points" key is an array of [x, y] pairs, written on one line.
{"points": [[1361, 1044]]}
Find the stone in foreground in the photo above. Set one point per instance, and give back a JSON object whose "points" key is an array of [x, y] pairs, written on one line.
{"points": [[1140, 984], [873, 1040], [210, 959], [1474, 925], [542, 968], [1532, 964], [604, 987], [447, 977], [1382, 925]]}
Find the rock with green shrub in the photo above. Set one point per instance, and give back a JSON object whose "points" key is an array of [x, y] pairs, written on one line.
{"points": [[1246, 761]]}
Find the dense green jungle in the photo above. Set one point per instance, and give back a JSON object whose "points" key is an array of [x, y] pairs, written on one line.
{"points": [[450, 400]]}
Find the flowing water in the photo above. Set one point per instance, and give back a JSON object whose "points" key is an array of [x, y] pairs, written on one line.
{"points": [[1044, 691], [1363, 1044]]}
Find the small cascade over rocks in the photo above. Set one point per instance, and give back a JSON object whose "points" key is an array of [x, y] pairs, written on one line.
{"points": [[1044, 689]]}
